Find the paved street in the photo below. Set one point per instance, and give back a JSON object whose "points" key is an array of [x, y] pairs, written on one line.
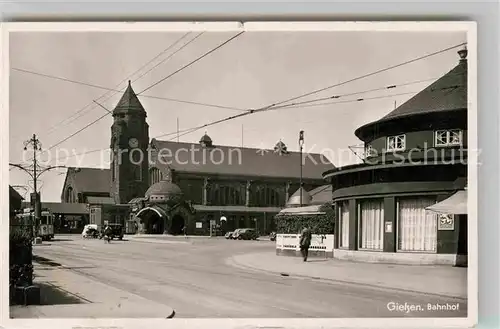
{"points": [[194, 278]]}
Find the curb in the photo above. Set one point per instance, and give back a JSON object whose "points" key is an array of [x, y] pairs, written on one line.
{"points": [[232, 262]]}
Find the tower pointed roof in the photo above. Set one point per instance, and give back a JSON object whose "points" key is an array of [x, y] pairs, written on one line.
{"points": [[129, 101], [448, 93]]}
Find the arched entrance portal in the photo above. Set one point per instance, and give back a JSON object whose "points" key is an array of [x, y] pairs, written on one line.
{"points": [[152, 221], [177, 225]]}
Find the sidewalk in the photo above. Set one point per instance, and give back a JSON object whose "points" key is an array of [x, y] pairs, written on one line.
{"points": [[66, 294], [435, 280]]}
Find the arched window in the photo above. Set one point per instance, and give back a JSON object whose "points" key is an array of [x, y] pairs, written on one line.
{"points": [[155, 175], [226, 195], [267, 197], [70, 195]]}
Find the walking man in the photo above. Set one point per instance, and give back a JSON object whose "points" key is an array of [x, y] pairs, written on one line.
{"points": [[305, 242]]}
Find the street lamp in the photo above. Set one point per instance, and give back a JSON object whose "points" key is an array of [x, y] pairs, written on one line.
{"points": [[301, 144], [34, 174]]}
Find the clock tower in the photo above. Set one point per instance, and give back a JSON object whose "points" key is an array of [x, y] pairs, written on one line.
{"points": [[129, 147]]}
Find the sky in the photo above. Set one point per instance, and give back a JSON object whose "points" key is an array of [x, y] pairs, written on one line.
{"points": [[254, 70]]}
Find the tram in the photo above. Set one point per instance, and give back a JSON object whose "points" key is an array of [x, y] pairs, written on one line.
{"points": [[45, 225]]}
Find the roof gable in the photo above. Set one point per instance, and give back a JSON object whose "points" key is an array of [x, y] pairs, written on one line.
{"points": [[237, 161], [14, 194], [88, 180]]}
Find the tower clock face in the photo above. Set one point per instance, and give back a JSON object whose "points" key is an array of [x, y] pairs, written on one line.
{"points": [[133, 142]]}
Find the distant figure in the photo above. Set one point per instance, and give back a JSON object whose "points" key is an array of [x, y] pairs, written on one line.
{"points": [[107, 234], [184, 230], [154, 229], [305, 242]]}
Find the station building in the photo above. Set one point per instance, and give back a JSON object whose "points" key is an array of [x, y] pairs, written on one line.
{"points": [[197, 186], [415, 157]]}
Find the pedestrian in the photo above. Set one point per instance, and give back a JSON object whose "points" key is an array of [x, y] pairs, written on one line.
{"points": [[305, 242], [184, 230], [107, 234]]}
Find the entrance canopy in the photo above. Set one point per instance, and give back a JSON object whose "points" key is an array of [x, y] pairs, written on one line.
{"points": [[454, 205], [158, 210]]}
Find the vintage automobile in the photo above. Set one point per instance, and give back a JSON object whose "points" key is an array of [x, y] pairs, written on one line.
{"points": [[245, 234], [116, 231], [90, 231]]}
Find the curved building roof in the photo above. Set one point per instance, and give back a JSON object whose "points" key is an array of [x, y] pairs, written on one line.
{"points": [[448, 93], [294, 200], [164, 188]]}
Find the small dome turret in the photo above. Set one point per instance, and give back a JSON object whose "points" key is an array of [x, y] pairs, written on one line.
{"points": [[205, 140]]}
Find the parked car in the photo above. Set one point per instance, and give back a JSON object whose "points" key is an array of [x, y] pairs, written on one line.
{"points": [[272, 236], [116, 231], [247, 234], [229, 235], [234, 234]]}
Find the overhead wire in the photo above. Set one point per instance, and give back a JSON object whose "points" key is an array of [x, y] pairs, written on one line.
{"points": [[155, 84], [364, 76], [192, 62], [193, 129], [275, 105], [118, 85], [118, 90]]}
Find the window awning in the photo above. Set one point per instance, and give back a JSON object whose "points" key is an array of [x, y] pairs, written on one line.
{"points": [[455, 204]]}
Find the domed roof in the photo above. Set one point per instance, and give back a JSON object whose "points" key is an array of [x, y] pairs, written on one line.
{"points": [[164, 188], [448, 93], [205, 139], [294, 200]]}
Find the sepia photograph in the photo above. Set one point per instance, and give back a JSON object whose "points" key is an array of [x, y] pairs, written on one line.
{"points": [[200, 172]]}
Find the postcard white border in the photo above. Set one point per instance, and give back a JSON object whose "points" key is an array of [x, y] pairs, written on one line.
{"points": [[470, 28]]}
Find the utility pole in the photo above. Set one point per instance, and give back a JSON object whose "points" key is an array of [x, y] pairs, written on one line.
{"points": [[34, 173], [301, 144], [37, 146]]}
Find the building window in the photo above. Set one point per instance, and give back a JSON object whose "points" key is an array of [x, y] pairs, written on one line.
{"points": [[448, 137], [417, 227], [70, 195], [371, 224], [155, 176], [344, 224], [396, 143], [369, 151]]}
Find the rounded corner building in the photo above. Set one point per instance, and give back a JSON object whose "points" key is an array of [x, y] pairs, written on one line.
{"points": [[414, 158]]}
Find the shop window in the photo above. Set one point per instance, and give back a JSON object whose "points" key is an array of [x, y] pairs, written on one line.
{"points": [[448, 137], [344, 224], [396, 143], [417, 227], [371, 224]]}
